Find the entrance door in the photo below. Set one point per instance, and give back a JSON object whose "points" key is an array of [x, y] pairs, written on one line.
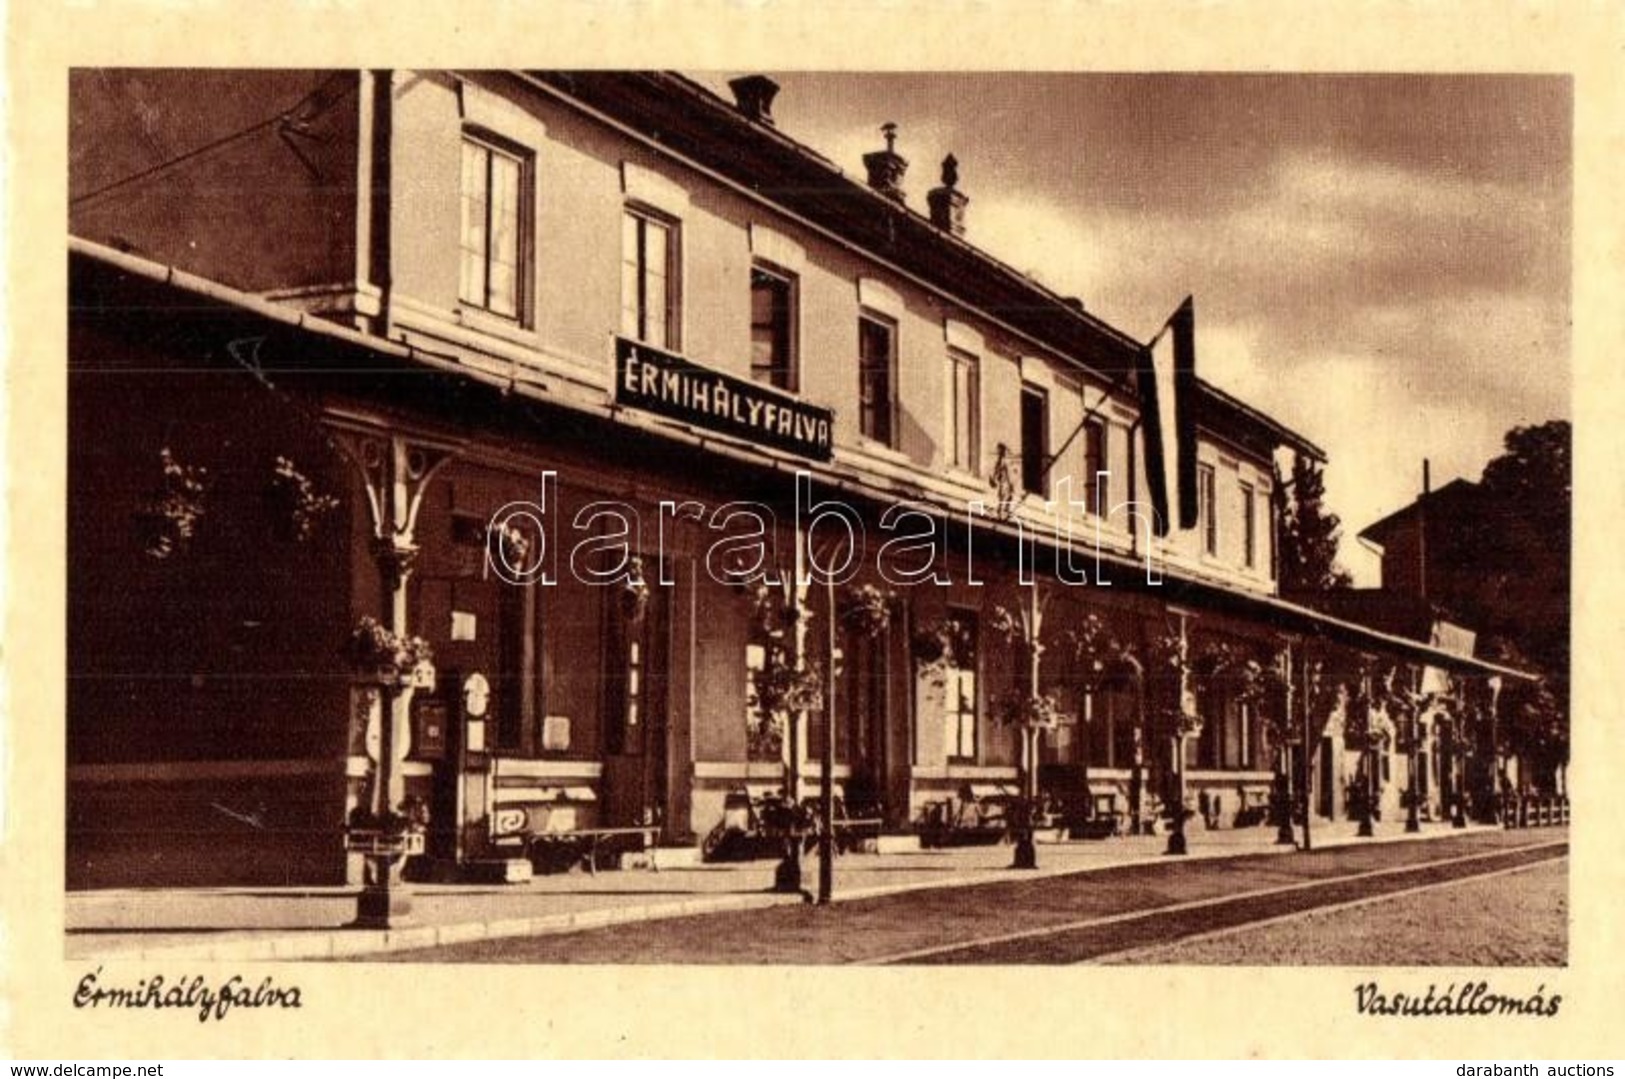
{"points": [[490, 641], [635, 667], [865, 721], [1328, 790]]}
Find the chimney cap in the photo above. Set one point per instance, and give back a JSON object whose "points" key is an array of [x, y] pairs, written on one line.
{"points": [[886, 167], [753, 95], [947, 202]]}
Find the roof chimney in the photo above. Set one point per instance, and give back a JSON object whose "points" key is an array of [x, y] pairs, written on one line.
{"points": [[885, 167], [1074, 303], [948, 202], [754, 94]]}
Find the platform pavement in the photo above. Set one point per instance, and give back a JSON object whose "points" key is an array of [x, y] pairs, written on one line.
{"points": [[251, 924]]}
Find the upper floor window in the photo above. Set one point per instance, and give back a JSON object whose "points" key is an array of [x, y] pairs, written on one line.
{"points": [[494, 210], [877, 354], [1273, 508], [1096, 496], [964, 411], [649, 293], [772, 327], [1034, 440], [1249, 526], [1207, 508]]}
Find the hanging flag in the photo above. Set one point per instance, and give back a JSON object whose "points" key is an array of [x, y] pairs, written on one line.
{"points": [[1167, 382], [1156, 474]]}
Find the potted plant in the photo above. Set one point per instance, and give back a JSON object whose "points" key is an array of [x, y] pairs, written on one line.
{"points": [[394, 833]]}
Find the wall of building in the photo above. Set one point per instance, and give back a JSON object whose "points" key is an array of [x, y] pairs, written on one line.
{"points": [[253, 215], [268, 207], [206, 695], [585, 174]]}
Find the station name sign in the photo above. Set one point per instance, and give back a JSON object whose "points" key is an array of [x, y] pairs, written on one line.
{"points": [[667, 385]]}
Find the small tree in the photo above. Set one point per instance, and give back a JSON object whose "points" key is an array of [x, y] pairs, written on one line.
{"points": [[1535, 731], [1170, 718], [866, 612], [1309, 534], [1101, 662], [1366, 731], [1331, 679], [1253, 677], [1028, 708], [788, 683], [1403, 702], [786, 687], [1452, 715]]}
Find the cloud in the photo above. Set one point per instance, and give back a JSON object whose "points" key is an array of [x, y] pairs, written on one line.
{"points": [[1039, 238]]}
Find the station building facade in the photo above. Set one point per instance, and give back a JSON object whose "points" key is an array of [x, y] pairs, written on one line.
{"points": [[412, 301]]}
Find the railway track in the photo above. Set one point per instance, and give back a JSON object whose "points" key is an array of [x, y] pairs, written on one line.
{"points": [[1110, 936]]}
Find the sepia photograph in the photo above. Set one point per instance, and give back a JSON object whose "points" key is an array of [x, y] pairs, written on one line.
{"points": [[803, 518]]}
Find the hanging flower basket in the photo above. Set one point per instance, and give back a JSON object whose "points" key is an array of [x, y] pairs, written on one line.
{"points": [[1185, 723], [929, 646], [167, 520], [634, 593], [938, 644], [866, 611], [378, 654], [1031, 711], [781, 689], [296, 503]]}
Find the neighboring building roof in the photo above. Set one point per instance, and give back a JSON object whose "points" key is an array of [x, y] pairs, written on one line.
{"points": [[1397, 613], [1447, 500], [106, 281], [686, 119]]}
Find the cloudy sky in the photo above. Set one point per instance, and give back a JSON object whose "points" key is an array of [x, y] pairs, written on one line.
{"points": [[1381, 262]]}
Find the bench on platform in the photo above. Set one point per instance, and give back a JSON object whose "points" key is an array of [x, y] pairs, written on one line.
{"points": [[849, 799], [1104, 820], [979, 816], [1254, 809], [558, 851], [851, 831]]}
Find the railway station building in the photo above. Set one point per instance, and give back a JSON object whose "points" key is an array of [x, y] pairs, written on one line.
{"points": [[537, 383]]}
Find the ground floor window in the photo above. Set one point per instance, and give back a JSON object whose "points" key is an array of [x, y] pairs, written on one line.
{"points": [[959, 705], [863, 691], [515, 683], [764, 740], [626, 681]]}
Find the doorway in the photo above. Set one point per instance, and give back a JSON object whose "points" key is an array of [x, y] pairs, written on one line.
{"points": [[636, 668], [1324, 796], [864, 661]]}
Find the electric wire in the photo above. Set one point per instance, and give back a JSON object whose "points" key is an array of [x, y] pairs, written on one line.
{"points": [[285, 116]]}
